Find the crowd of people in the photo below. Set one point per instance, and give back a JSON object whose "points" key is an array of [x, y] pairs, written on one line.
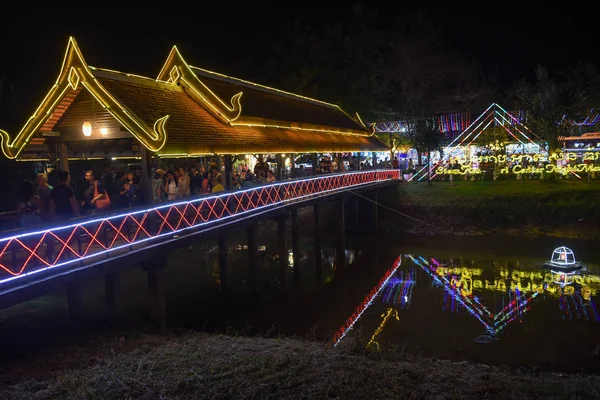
{"points": [[39, 202]]}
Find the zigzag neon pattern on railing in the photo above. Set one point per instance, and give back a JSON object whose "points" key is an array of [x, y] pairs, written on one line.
{"points": [[79, 242]]}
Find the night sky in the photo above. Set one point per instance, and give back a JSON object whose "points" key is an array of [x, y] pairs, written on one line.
{"points": [[32, 41]]}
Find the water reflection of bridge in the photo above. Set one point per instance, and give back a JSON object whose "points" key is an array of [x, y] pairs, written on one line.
{"points": [[463, 286]]}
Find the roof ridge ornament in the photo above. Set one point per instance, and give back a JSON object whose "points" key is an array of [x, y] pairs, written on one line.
{"points": [[74, 73], [177, 71]]}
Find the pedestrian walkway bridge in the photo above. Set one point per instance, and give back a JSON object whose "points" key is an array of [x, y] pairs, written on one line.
{"points": [[29, 257]]}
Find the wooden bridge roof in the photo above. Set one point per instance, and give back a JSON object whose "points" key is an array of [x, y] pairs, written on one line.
{"points": [[189, 111]]}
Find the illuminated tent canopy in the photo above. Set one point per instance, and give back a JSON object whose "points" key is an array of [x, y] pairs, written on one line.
{"points": [[184, 111], [496, 117]]}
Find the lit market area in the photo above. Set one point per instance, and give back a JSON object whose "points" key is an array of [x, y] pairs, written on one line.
{"points": [[495, 145]]}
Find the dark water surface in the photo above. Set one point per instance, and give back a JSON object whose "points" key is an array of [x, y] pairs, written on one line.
{"points": [[483, 298]]}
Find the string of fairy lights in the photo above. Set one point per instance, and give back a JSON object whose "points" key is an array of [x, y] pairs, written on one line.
{"points": [[458, 122]]}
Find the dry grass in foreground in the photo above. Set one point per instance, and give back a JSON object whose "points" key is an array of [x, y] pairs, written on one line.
{"points": [[196, 365]]}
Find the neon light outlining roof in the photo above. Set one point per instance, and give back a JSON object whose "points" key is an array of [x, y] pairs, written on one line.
{"points": [[74, 74], [150, 129]]}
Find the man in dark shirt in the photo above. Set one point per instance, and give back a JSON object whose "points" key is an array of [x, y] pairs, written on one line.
{"points": [[195, 181], [89, 198], [62, 199]]}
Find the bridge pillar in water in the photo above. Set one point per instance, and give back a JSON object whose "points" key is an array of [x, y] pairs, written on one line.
{"points": [[252, 258], [74, 299], [282, 252], [223, 261], [340, 251], [356, 213], [156, 292], [112, 285], [295, 247], [317, 232], [375, 215]]}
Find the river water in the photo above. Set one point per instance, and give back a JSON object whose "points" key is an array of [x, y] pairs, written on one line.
{"points": [[481, 298], [486, 299]]}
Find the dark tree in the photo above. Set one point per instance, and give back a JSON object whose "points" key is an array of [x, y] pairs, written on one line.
{"points": [[551, 104], [336, 62]]}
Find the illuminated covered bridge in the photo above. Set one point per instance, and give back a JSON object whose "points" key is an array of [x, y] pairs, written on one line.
{"points": [[189, 113]]}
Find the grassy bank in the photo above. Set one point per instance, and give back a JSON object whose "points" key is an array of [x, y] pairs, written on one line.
{"points": [[564, 208], [192, 365]]}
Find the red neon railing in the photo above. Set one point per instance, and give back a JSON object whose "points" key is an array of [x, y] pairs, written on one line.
{"points": [[80, 242]]}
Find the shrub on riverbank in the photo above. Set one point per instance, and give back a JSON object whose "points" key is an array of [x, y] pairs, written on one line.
{"points": [[501, 205], [194, 365]]}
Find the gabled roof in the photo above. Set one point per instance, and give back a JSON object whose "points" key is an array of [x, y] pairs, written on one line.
{"points": [[192, 129], [261, 103], [203, 112], [75, 75]]}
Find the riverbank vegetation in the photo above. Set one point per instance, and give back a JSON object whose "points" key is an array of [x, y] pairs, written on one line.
{"points": [[565, 208], [194, 365]]}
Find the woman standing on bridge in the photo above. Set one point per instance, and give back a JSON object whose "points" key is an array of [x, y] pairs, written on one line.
{"points": [[171, 186]]}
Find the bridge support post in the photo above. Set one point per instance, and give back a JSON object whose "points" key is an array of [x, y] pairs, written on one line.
{"points": [[295, 247], [228, 166], [293, 165], [63, 156], [374, 157], [279, 159], [282, 251], [223, 261], [315, 163], [357, 213], [74, 300], [111, 287], [375, 213], [317, 232], [156, 291], [252, 259], [340, 251], [146, 176]]}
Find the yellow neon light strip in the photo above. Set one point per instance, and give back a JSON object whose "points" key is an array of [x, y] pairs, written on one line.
{"points": [[230, 114], [74, 71], [298, 128], [267, 87], [191, 81], [273, 125], [112, 71], [386, 316], [277, 151]]}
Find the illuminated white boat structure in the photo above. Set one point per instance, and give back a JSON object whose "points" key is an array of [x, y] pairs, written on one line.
{"points": [[563, 259]]}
